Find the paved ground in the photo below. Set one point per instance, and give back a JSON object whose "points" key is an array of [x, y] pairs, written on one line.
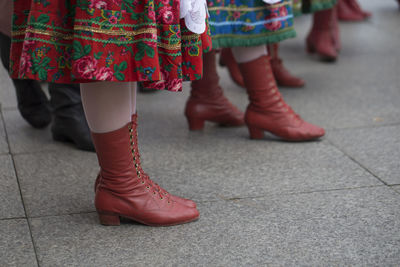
{"points": [[333, 202]]}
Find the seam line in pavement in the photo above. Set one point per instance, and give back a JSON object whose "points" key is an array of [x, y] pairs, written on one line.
{"points": [[305, 192], [365, 126], [19, 189], [13, 218], [357, 162]]}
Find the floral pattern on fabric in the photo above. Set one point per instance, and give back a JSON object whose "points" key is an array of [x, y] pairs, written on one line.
{"points": [[78, 41], [249, 22]]}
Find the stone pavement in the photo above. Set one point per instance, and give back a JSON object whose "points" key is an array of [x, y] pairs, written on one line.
{"points": [[329, 203]]}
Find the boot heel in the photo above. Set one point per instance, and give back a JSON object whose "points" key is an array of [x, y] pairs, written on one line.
{"points": [[195, 124], [256, 133], [110, 220]]}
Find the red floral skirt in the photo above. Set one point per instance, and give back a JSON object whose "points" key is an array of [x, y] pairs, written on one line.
{"points": [[79, 41]]}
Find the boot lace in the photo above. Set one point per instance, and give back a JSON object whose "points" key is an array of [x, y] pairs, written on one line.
{"points": [[150, 184]]}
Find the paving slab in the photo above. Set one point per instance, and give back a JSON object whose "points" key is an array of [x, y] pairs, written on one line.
{"points": [[219, 238], [377, 149], [10, 198], [7, 91], [57, 183], [16, 248], [342, 91], [338, 228], [385, 14], [3, 139], [396, 188], [346, 227], [25, 139], [207, 166]]}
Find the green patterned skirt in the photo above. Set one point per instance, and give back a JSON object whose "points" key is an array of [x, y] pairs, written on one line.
{"points": [[311, 6]]}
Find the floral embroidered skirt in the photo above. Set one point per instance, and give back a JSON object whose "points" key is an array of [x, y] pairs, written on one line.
{"points": [[311, 6], [249, 22], [78, 41]]}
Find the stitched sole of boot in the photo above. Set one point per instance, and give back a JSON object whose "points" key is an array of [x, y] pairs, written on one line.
{"points": [[113, 219], [258, 134]]}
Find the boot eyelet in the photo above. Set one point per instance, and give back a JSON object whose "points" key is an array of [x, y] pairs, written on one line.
{"points": [[161, 198], [142, 182], [148, 187]]}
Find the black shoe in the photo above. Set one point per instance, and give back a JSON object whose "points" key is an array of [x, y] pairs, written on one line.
{"points": [[32, 102], [69, 123]]}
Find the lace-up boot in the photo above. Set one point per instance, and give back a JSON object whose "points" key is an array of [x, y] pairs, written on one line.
{"points": [[207, 101], [267, 110], [155, 186], [282, 76], [123, 190], [226, 59]]}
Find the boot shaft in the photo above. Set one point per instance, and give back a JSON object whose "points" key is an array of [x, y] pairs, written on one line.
{"points": [[65, 99], [324, 19], [117, 157], [260, 84], [208, 85]]}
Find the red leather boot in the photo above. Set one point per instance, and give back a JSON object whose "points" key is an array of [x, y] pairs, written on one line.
{"points": [[350, 10], [282, 75], [181, 200], [226, 59], [321, 38], [267, 110], [347, 13], [207, 101], [124, 192]]}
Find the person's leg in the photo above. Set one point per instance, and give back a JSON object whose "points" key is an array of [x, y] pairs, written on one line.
{"points": [[207, 101], [122, 189], [282, 75], [69, 123], [267, 111], [32, 102], [133, 97]]}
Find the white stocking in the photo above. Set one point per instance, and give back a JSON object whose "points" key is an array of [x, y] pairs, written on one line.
{"points": [[133, 95], [247, 54], [107, 105]]}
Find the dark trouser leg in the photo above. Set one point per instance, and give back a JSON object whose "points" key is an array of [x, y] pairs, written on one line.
{"points": [[69, 119], [32, 102]]}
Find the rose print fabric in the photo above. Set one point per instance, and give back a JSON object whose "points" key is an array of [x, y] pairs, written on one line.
{"points": [[78, 41], [249, 22]]}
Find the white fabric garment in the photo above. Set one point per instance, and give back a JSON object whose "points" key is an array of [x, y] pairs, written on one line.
{"points": [[272, 1], [194, 12]]}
